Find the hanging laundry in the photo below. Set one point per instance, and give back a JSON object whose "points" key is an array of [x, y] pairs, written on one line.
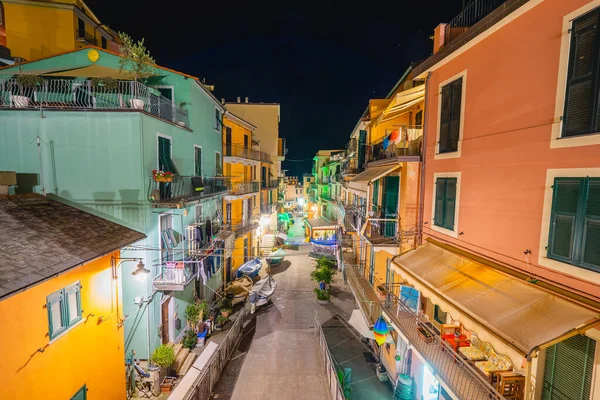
{"points": [[386, 142], [394, 135], [202, 271]]}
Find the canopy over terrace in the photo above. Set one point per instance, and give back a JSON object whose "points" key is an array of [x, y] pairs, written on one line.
{"points": [[361, 181], [525, 316]]}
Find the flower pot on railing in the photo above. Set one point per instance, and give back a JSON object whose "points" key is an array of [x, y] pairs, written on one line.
{"points": [[137, 104], [162, 177], [180, 123], [20, 101]]}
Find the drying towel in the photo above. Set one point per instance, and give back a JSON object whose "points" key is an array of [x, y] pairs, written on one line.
{"points": [[394, 135]]}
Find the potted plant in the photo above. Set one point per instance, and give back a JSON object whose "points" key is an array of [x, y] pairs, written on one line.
{"points": [[135, 63], [224, 305], [107, 83], [27, 84], [162, 176], [163, 356], [220, 322], [182, 105], [190, 339], [323, 296]]}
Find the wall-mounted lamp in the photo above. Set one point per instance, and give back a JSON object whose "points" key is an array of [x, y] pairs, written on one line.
{"points": [[140, 271]]}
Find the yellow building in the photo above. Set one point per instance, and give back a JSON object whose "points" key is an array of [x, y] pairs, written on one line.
{"points": [[60, 301], [37, 29], [242, 167], [265, 118]]}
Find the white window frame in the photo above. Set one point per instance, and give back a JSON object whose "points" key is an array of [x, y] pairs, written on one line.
{"points": [[458, 152], [543, 259], [453, 233], [197, 146], [65, 311], [556, 140]]}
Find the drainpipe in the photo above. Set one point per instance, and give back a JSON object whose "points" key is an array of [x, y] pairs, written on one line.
{"points": [[423, 157]]}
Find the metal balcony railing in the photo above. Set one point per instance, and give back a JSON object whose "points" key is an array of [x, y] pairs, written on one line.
{"points": [[66, 94], [267, 208], [472, 13], [248, 222], [235, 150], [269, 183], [82, 36], [183, 189], [282, 147], [241, 188], [409, 143], [174, 276]]}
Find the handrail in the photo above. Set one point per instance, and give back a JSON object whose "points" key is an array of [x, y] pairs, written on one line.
{"points": [[68, 94], [329, 364], [472, 13], [236, 150]]}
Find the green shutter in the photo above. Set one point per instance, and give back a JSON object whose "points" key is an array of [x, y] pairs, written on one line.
{"points": [[580, 102], [454, 132], [445, 118], [591, 226], [165, 163], [445, 202], [73, 304], [375, 201], [197, 161], [56, 314], [390, 203], [81, 394], [440, 195], [565, 205], [568, 369]]}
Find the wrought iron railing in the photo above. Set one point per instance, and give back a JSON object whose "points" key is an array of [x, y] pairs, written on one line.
{"points": [[183, 189], [472, 13], [241, 188], [67, 94], [267, 208], [331, 368], [269, 183], [84, 36], [247, 222], [235, 150], [174, 276], [408, 143], [460, 376]]}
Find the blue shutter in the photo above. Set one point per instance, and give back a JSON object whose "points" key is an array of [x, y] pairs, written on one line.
{"points": [[73, 304], [56, 314]]}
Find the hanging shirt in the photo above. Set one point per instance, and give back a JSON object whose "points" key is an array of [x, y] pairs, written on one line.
{"points": [[394, 136], [386, 142], [202, 271]]}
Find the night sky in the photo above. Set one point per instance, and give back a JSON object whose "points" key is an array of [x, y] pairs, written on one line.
{"points": [[321, 61]]}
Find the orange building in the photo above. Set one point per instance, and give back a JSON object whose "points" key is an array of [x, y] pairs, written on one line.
{"points": [[60, 301]]}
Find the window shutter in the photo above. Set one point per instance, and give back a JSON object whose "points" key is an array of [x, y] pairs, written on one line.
{"points": [[73, 303], [564, 215], [450, 203], [440, 195], [568, 369], [445, 119], [56, 314], [580, 101], [455, 115], [591, 230]]}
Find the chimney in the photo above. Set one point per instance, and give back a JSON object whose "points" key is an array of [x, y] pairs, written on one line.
{"points": [[238, 99], [222, 100], [246, 98], [439, 37]]}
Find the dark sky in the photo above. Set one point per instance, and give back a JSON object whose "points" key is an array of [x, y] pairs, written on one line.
{"points": [[321, 61]]}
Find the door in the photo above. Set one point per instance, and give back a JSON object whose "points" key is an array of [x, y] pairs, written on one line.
{"points": [[245, 141], [228, 141], [165, 319], [390, 204], [372, 266], [246, 256], [81, 394]]}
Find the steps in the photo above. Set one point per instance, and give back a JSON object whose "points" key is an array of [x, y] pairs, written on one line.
{"points": [[267, 243]]}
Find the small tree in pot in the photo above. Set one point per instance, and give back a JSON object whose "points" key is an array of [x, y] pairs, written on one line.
{"points": [[135, 63], [323, 274], [26, 84], [164, 357]]}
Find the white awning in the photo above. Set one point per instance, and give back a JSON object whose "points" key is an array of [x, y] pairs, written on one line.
{"points": [[360, 181], [517, 311]]}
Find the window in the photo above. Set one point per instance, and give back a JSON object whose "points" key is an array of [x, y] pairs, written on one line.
{"points": [[80, 28], [165, 163], [64, 309], [218, 166], [167, 237], [439, 315], [198, 213], [445, 203], [245, 141], [419, 118], [197, 161], [104, 45], [569, 366], [575, 222], [581, 101], [228, 213], [450, 116], [218, 120]]}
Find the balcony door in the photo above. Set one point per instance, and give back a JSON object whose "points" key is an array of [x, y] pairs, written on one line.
{"points": [[228, 141], [390, 204], [245, 141]]}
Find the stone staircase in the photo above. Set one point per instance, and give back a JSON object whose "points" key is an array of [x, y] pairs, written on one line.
{"points": [[267, 243]]}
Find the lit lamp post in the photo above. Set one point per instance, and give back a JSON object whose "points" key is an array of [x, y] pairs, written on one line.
{"points": [[300, 203]]}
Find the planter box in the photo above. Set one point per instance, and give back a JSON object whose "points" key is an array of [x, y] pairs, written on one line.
{"points": [[424, 334], [167, 384]]}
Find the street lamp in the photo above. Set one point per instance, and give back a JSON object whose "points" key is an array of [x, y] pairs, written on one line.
{"points": [[139, 272]]}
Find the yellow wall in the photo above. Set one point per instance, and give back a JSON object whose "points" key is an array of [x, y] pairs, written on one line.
{"points": [[237, 255], [237, 133], [35, 30], [90, 353]]}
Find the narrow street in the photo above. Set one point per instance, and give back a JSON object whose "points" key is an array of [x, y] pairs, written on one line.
{"points": [[277, 356]]}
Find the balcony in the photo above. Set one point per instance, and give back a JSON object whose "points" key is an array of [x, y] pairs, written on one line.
{"points": [[82, 36], [269, 184], [472, 13], [183, 190], [238, 151], [242, 188], [174, 276], [462, 378], [268, 209], [407, 147], [247, 224], [65, 94], [281, 149], [367, 299]]}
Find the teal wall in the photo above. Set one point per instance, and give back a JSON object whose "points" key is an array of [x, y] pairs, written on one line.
{"points": [[103, 160]]}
